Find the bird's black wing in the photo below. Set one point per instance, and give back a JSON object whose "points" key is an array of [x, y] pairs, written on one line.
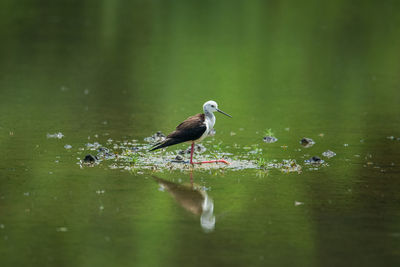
{"points": [[191, 129]]}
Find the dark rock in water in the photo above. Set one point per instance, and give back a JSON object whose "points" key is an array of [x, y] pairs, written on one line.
{"points": [[270, 139], [178, 158], [315, 160], [90, 159], [307, 142]]}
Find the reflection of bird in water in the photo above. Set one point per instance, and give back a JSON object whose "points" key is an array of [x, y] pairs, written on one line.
{"points": [[193, 199]]}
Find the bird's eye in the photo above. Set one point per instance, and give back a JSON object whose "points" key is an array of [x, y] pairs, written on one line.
{"points": [[212, 106]]}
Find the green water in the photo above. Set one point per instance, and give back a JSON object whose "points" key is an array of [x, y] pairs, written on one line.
{"points": [[124, 70]]}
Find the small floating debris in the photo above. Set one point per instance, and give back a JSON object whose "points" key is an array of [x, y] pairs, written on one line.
{"points": [[55, 135], [256, 151], [328, 154], [307, 142], [314, 160], [93, 146], [390, 137], [103, 150], [346, 145], [287, 165], [298, 203], [270, 139], [62, 229], [104, 153], [67, 146], [290, 166]]}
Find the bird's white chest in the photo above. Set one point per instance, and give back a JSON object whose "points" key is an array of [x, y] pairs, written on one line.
{"points": [[209, 122]]}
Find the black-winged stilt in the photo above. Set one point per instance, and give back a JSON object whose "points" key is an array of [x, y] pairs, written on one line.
{"points": [[194, 129]]}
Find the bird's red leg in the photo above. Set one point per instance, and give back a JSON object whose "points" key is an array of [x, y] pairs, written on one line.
{"points": [[191, 154], [208, 161], [201, 162], [212, 161]]}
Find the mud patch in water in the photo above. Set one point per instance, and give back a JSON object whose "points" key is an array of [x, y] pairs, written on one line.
{"points": [[130, 155], [135, 157]]}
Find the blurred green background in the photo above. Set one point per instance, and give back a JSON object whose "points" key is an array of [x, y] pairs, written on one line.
{"points": [[125, 69]]}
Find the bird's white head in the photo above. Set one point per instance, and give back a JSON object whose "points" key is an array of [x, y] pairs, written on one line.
{"points": [[212, 106]]}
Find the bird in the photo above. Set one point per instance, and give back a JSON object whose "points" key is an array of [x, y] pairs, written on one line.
{"points": [[194, 129]]}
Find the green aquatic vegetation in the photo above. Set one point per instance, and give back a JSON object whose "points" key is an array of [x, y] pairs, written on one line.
{"points": [[134, 158], [268, 132], [218, 147], [215, 155], [217, 150], [255, 153], [261, 163]]}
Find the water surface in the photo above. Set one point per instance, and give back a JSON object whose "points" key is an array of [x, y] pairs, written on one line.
{"points": [[95, 70]]}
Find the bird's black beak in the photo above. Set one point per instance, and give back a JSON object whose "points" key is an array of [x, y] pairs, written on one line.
{"points": [[224, 113]]}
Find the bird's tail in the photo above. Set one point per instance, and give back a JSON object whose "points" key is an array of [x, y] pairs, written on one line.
{"points": [[165, 143]]}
